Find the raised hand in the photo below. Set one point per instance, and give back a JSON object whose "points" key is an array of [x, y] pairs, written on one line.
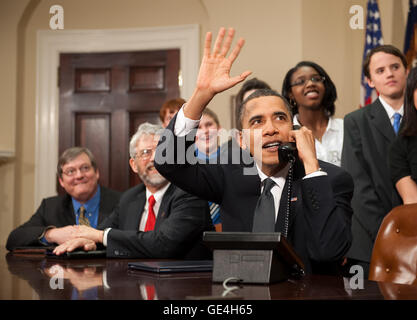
{"points": [[214, 75]]}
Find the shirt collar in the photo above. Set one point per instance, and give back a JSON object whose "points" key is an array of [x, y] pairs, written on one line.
{"points": [[279, 178], [157, 195], [331, 124], [202, 156], [91, 205], [390, 111]]}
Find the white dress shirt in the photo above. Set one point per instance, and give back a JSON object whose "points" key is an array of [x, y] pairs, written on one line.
{"points": [[390, 111], [158, 199], [329, 149]]}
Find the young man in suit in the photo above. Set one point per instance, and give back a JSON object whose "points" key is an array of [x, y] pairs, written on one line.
{"points": [[320, 212], [53, 223], [155, 219], [368, 132]]}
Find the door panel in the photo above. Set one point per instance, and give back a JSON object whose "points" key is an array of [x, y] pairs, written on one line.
{"points": [[103, 99]]}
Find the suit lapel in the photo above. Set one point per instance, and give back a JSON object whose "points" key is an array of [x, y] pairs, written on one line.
{"points": [[163, 208], [103, 205], [68, 213], [135, 210], [380, 120]]}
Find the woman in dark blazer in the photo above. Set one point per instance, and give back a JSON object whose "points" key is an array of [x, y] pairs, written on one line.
{"points": [[403, 151]]}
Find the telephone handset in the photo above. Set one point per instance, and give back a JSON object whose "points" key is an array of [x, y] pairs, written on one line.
{"points": [[287, 152]]}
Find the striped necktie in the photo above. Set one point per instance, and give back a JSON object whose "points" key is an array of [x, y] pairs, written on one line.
{"points": [[82, 219]]}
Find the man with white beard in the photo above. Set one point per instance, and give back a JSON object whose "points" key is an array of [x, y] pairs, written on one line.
{"points": [[155, 219]]}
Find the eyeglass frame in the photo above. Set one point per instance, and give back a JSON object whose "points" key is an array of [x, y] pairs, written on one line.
{"points": [[304, 81], [83, 169], [145, 153]]}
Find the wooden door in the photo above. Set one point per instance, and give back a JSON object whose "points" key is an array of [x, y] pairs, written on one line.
{"points": [[103, 99]]}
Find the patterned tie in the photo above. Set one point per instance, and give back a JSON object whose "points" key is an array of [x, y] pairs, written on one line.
{"points": [[150, 223], [82, 219], [397, 120], [264, 218]]}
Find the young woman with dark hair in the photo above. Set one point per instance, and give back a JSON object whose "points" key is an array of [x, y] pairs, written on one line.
{"points": [[312, 94]]}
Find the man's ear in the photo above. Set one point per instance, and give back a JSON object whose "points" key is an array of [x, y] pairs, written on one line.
{"points": [[133, 165], [61, 182], [370, 82], [241, 142]]}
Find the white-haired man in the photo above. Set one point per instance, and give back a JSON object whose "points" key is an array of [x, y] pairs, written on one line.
{"points": [[155, 219]]}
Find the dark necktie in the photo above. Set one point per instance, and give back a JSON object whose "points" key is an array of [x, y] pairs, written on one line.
{"points": [[264, 218], [397, 121], [82, 219], [150, 223]]}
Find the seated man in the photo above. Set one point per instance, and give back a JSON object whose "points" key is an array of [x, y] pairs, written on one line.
{"points": [[85, 202], [155, 219], [315, 217]]}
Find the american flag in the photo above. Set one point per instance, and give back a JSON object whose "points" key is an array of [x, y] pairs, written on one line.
{"points": [[373, 38], [410, 45]]}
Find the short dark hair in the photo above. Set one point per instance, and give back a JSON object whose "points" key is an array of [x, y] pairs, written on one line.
{"points": [[386, 48], [72, 153], [251, 84], [409, 127], [330, 93], [262, 93]]}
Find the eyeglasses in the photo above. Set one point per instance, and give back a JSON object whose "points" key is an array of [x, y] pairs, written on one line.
{"points": [[72, 171], [145, 154], [303, 82]]}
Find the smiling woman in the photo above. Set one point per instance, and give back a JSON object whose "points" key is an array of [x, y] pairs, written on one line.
{"points": [[312, 94]]}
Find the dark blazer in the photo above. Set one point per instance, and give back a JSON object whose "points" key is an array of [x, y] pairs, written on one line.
{"points": [[367, 135], [57, 211], [179, 226], [319, 225]]}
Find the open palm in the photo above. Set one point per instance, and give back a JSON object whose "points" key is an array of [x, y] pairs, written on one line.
{"points": [[214, 75]]}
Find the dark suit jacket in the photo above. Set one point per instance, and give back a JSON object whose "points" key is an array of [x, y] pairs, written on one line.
{"points": [[179, 226], [56, 211], [367, 136], [319, 226]]}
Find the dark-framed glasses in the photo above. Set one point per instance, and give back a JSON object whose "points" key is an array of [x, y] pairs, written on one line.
{"points": [[303, 81], [72, 171]]}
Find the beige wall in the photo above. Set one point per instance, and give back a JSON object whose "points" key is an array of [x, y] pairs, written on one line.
{"points": [[278, 34]]}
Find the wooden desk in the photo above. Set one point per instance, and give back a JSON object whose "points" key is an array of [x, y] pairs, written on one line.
{"points": [[32, 277]]}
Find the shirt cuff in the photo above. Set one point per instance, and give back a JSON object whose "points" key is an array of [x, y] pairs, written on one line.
{"points": [[183, 125], [106, 232], [317, 173]]}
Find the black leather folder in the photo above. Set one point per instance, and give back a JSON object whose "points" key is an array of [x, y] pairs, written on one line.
{"points": [[173, 266]]}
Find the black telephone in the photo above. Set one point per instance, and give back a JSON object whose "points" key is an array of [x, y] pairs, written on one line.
{"points": [[287, 152]]}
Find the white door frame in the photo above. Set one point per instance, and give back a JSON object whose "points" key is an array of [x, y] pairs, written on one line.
{"points": [[51, 43]]}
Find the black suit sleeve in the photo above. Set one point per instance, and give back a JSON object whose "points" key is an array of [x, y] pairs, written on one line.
{"points": [[172, 238], [326, 205], [176, 161], [28, 234], [365, 203]]}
